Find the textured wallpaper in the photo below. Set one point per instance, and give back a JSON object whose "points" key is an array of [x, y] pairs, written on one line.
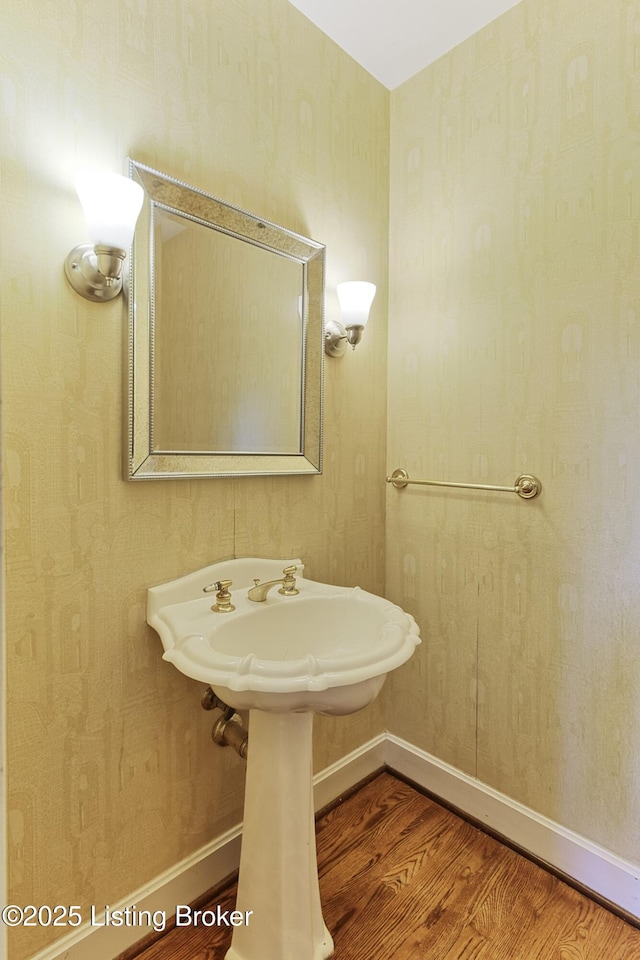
{"points": [[515, 348], [112, 776]]}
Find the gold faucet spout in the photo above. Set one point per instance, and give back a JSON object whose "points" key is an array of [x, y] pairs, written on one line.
{"points": [[288, 588]]}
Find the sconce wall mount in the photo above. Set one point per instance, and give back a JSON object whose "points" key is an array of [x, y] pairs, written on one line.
{"points": [[95, 272]]}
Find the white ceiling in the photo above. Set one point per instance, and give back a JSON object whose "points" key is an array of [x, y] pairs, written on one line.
{"points": [[394, 39]]}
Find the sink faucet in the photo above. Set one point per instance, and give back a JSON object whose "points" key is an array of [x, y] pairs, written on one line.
{"points": [[288, 586]]}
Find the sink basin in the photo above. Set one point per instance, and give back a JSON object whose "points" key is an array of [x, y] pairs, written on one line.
{"points": [[327, 650]]}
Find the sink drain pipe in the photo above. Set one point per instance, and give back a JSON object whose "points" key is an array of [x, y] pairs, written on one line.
{"points": [[228, 730]]}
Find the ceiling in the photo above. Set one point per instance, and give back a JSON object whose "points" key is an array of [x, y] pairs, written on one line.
{"points": [[394, 39]]}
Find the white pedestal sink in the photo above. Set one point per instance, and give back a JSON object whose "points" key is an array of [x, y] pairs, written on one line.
{"points": [[325, 650]]}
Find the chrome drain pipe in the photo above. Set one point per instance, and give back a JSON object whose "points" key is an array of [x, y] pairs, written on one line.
{"points": [[228, 729]]}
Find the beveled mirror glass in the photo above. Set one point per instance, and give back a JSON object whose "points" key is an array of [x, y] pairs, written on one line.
{"points": [[225, 339]]}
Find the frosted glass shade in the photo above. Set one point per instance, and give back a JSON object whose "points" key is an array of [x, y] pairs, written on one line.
{"points": [[111, 205], [355, 297]]}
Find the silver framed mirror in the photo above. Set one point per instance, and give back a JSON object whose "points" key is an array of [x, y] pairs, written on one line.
{"points": [[225, 348]]}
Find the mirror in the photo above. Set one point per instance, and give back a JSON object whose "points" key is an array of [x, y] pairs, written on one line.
{"points": [[225, 340]]}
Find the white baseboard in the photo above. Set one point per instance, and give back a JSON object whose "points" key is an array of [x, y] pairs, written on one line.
{"points": [[182, 883], [591, 866], [210, 865], [341, 776]]}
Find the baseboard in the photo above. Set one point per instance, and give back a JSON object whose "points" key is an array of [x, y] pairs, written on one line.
{"points": [[182, 883], [592, 867], [343, 775], [206, 868]]}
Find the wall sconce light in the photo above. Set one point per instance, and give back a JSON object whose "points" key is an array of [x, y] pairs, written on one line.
{"points": [[111, 205], [355, 297]]}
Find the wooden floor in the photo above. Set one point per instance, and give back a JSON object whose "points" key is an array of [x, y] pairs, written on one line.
{"points": [[402, 878]]}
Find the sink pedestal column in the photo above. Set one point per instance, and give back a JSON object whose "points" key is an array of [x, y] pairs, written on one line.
{"points": [[278, 870]]}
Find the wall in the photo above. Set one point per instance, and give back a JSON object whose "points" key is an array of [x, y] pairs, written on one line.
{"points": [[515, 347], [112, 777]]}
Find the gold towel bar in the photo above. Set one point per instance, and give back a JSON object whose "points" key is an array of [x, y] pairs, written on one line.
{"points": [[526, 486]]}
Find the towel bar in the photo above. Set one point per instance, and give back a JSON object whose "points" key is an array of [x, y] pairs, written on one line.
{"points": [[526, 486]]}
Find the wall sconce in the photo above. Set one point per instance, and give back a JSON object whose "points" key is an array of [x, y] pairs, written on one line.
{"points": [[111, 205], [355, 297]]}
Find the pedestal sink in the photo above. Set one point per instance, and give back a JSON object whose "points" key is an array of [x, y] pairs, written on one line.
{"points": [[326, 649]]}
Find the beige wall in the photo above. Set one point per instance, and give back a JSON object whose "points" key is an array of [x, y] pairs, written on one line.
{"points": [[515, 347], [112, 777]]}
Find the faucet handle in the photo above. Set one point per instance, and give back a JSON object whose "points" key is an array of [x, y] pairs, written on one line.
{"points": [[288, 588], [223, 597]]}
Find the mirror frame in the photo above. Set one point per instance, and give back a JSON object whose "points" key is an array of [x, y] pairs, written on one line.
{"points": [[142, 460]]}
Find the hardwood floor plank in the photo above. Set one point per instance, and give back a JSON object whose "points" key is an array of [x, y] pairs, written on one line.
{"points": [[402, 878], [583, 927]]}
